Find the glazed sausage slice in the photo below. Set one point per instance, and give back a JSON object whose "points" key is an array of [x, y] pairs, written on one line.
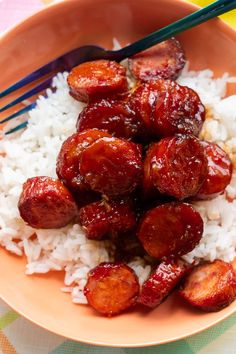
{"points": [[69, 158], [142, 102], [162, 61], [115, 117], [149, 191], [45, 203], [219, 171], [210, 286], [106, 217], [178, 166], [112, 166], [97, 79], [178, 109], [111, 288], [172, 229], [166, 108], [162, 281], [234, 265]]}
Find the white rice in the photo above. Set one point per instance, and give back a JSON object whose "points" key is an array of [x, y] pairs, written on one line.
{"points": [[34, 152]]}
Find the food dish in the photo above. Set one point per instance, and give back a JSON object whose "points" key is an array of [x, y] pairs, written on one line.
{"points": [[118, 187]]}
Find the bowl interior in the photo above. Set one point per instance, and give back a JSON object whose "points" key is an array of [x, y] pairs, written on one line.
{"points": [[41, 38]]}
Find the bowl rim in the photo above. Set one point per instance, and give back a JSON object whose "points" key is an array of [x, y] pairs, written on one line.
{"points": [[56, 3], [232, 310]]}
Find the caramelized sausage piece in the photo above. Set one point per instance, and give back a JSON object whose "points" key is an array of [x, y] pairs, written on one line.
{"points": [[112, 166], [69, 158], [106, 217], [162, 281], [97, 79], [113, 116], [166, 108], [210, 286], [219, 171], [142, 102], [111, 288], [149, 191], [234, 265], [162, 61], [178, 166], [45, 203], [172, 229], [178, 109]]}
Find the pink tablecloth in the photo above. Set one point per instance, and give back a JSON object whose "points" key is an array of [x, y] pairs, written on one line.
{"points": [[13, 11]]}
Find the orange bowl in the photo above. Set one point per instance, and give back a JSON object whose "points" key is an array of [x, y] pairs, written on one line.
{"points": [[42, 37]]}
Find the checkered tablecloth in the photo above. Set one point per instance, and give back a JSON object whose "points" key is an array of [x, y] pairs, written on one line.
{"points": [[17, 335]]}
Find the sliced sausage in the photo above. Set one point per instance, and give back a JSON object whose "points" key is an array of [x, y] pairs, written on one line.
{"points": [[69, 158], [111, 288], [106, 217], [172, 229], [234, 265], [149, 191], [97, 79], [166, 108], [210, 286], [115, 117], [178, 166], [177, 109], [142, 102], [112, 166], [219, 171], [45, 203], [162, 61], [162, 281]]}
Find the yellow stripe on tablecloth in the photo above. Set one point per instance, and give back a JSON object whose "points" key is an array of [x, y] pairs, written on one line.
{"points": [[229, 17], [5, 346], [46, 2], [8, 318]]}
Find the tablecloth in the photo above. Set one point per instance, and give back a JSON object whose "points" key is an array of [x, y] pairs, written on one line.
{"points": [[18, 335]]}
